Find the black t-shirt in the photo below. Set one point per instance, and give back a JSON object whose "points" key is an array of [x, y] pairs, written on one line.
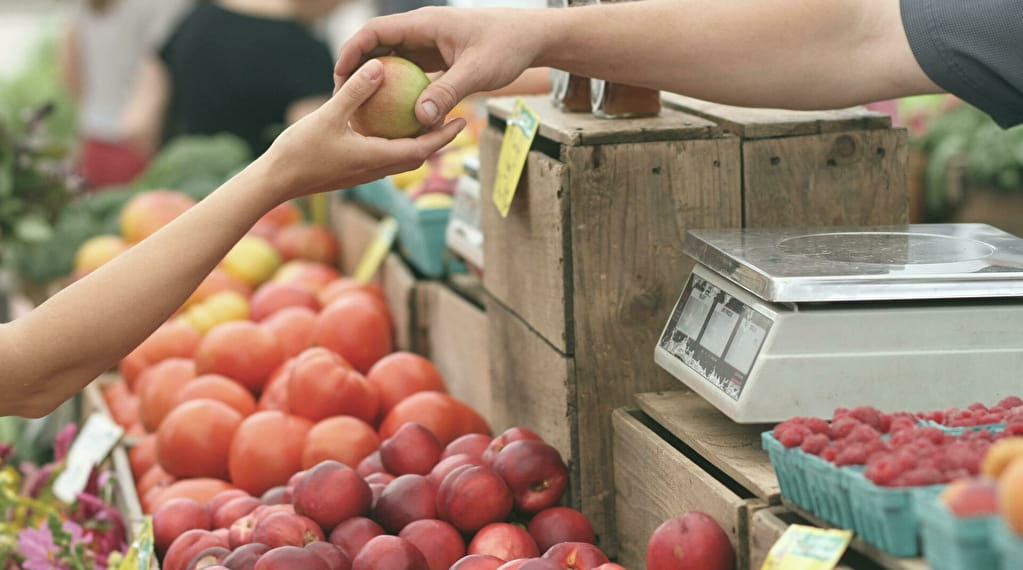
{"points": [[236, 73], [972, 49]]}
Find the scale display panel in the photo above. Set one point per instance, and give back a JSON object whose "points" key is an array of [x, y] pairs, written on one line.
{"points": [[715, 334]]}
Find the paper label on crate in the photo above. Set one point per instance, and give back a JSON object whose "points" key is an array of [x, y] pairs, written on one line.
{"points": [[804, 547], [377, 250], [518, 137], [140, 554], [92, 444]]}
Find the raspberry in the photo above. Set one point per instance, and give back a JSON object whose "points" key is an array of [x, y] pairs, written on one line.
{"points": [[954, 474], [1013, 429], [830, 453], [922, 476], [1009, 402], [960, 455], [863, 433], [853, 454], [868, 415], [793, 436], [883, 471], [815, 443], [818, 425], [933, 434], [977, 407], [839, 412], [843, 426]]}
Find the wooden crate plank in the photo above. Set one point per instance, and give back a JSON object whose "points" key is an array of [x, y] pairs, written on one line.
{"points": [[532, 384], [355, 228], [759, 123], [631, 206], [584, 129], [851, 178], [457, 344], [655, 481], [731, 447], [399, 284], [526, 252]]}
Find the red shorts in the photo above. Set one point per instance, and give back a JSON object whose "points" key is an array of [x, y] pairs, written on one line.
{"points": [[107, 164]]}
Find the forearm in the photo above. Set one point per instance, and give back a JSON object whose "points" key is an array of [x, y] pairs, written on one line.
{"points": [[783, 53], [51, 353]]}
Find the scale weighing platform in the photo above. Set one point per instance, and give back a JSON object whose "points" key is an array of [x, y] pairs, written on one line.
{"points": [[776, 323]]}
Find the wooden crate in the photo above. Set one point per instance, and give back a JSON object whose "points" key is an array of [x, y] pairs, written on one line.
{"points": [[456, 339], [355, 227], [589, 259]]}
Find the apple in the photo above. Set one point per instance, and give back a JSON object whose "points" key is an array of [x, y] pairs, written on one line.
{"points": [[386, 552], [504, 540], [354, 533], [290, 558], [472, 496], [331, 492], [560, 524], [284, 529], [412, 449], [439, 542], [332, 554], [576, 555], [693, 541], [535, 473], [408, 498], [174, 518], [507, 436], [245, 556], [390, 112]]}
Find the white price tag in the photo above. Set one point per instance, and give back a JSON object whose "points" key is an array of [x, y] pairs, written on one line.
{"points": [[92, 444]]}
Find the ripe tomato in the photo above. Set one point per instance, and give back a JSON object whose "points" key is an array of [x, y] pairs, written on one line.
{"points": [[159, 385], [220, 388], [267, 450], [275, 395], [199, 489], [241, 350], [342, 438], [445, 416], [293, 327], [354, 327], [322, 384], [401, 374], [142, 455], [195, 437]]}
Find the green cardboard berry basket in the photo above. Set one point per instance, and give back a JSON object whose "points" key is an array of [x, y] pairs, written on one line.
{"points": [[956, 543], [790, 468], [887, 517], [1008, 547]]}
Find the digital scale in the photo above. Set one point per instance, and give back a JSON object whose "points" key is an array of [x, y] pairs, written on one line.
{"points": [[776, 323]]}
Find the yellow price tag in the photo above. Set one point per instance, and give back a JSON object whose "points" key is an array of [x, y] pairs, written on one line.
{"points": [[804, 547], [140, 554], [377, 250], [518, 136]]}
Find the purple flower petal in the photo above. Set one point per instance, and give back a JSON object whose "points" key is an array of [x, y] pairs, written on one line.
{"points": [[62, 444]]}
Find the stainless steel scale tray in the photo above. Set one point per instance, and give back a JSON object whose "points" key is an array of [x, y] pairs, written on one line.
{"points": [[884, 263]]}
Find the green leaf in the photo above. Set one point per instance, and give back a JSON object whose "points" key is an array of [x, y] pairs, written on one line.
{"points": [[32, 229]]}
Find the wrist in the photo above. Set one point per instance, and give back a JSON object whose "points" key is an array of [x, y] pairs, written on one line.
{"points": [[554, 27]]}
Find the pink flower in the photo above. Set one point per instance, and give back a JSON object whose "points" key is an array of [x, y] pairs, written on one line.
{"points": [[62, 443], [38, 549]]}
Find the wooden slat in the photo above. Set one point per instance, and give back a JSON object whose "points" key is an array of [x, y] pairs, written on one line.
{"points": [[575, 129], [759, 123], [526, 252], [631, 206], [399, 285], [355, 228], [731, 447], [836, 179], [457, 345], [655, 482]]}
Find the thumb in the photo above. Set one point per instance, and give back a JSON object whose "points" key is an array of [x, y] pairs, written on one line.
{"points": [[442, 95], [357, 88]]}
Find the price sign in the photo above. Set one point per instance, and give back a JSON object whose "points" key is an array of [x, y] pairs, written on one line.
{"points": [[91, 445], [377, 250], [808, 548], [518, 136]]}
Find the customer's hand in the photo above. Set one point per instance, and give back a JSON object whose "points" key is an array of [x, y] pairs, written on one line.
{"points": [[478, 50], [321, 152]]}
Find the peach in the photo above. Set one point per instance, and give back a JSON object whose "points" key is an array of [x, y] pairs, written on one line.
{"points": [[471, 444], [174, 518], [412, 449], [149, 211], [245, 556], [452, 462], [222, 497], [609, 566], [408, 498], [284, 529], [218, 281], [310, 274], [291, 558], [535, 473], [560, 524], [478, 562], [386, 552], [472, 496], [187, 545], [971, 497], [332, 554], [505, 541], [226, 514], [371, 464], [999, 455], [330, 493], [354, 533], [211, 556], [252, 259], [390, 111], [693, 541], [576, 555], [240, 532], [507, 436], [307, 241], [95, 252], [532, 564], [1010, 496], [278, 495], [439, 542]]}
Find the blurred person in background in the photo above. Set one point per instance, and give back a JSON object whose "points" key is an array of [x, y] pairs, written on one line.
{"points": [[244, 67], [101, 55]]}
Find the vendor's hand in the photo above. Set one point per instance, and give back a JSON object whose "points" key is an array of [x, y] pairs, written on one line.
{"points": [[478, 49], [321, 152]]}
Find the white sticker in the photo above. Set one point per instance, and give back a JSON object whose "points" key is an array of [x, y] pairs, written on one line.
{"points": [[719, 329], [694, 313], [92, 444]]}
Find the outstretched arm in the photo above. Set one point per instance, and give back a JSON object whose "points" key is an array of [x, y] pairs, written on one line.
{"points": [[54, 351], [802, 54]]}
